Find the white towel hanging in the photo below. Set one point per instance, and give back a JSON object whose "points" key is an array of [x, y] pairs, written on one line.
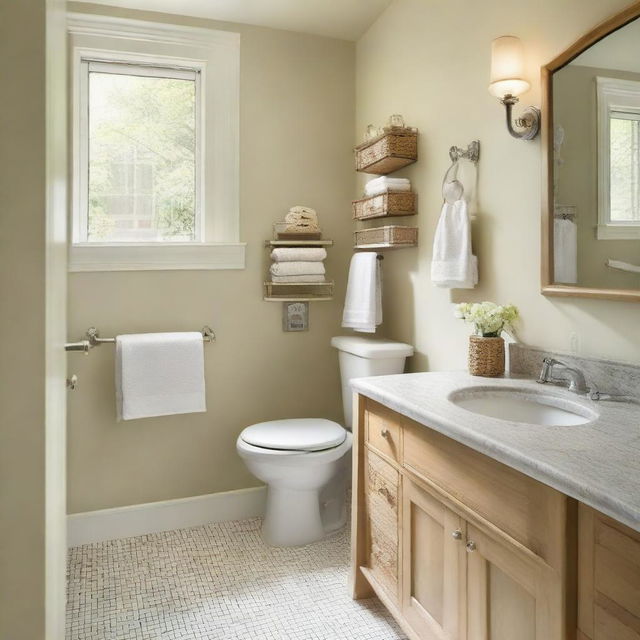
{"points": [[363, 302], [565, 251], [159, 374], [453, 265]]}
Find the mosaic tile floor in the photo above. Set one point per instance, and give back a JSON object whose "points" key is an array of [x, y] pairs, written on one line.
{"points": [[217, 582]]}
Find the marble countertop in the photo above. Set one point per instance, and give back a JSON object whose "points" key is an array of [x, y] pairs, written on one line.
{"points": [[597, 463]]}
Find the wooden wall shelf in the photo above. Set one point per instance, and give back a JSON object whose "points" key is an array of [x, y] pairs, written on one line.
{"points": [[298, 243], [298, 291]]}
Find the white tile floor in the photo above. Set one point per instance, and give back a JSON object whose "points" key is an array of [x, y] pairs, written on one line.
{"points": [[217, 582]]}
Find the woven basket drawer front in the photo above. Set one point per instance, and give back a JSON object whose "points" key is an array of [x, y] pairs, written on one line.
{"points": [[391, 236], [393, 203], [388, 153], [382, 519]]}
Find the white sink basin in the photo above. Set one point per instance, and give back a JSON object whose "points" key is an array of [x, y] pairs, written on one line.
{"points": [[514, 404]]}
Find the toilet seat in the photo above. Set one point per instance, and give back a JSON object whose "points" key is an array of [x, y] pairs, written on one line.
{"points": [[297, 435]]}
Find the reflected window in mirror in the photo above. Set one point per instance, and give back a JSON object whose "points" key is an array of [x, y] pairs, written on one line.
{"points": [[618, 104]]}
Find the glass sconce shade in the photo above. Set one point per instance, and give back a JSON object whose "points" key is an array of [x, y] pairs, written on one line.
{"points": [[507, 67]]}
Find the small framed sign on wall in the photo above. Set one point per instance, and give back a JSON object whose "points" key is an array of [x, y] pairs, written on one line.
{"points": [[295, 316]]}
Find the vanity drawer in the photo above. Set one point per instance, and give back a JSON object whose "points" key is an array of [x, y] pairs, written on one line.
{"points": [[528, 511], [382, 497], [382, 430]]}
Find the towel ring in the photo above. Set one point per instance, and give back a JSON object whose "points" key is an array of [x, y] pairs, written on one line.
{"points": [[452, 183]]}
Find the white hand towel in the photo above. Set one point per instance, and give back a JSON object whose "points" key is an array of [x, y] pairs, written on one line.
{"points": [[298, 254], [159, 374], [363, 302], [297, 269], [565, 251], [308, 278], [453, 265], [383, 184]]}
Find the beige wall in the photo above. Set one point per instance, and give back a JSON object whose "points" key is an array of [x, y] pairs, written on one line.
{"points": [[574, 95], [297, 105], [429, 60]]}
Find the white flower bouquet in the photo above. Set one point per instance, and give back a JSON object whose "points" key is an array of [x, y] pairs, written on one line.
{"points": [[490, 319]]}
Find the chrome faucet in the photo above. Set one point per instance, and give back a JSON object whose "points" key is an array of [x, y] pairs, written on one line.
{"points": [[572, 378]]}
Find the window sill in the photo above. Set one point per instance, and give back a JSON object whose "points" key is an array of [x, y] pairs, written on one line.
{"points": [[152, 257], [618, 232]]}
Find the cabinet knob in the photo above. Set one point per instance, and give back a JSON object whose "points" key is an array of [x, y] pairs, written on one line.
{"points": [[457, 534], [471, 546], [384, 432]]}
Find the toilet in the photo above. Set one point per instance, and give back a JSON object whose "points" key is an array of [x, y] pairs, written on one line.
{"points": [[305, 462]]}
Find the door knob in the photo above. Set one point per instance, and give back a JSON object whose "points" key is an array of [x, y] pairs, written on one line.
{"points": [[457, 534], [471, 546]]}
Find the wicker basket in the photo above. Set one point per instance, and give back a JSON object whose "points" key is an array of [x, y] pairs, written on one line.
{"points": [[392, 203], [391, 236], [486, 356], [394, 149]]}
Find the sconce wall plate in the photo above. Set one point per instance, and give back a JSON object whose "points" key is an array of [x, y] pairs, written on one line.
{"points": [[528, 123]]}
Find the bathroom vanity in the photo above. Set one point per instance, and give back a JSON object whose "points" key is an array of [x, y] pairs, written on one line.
{"points": [[475, 528]]}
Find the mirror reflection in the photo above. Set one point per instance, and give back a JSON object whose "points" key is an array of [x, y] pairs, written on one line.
{"points": [[596, 165]]}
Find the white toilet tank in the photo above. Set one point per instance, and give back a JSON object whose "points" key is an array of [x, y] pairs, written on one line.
{"points": [[362, 357]]}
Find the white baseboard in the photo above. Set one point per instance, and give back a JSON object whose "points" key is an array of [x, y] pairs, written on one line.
{"points": [[140, 519]]}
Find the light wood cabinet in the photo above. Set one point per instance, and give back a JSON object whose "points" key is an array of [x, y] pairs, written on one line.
{"points": [[457, 546], [609, 578], [461, 547]]}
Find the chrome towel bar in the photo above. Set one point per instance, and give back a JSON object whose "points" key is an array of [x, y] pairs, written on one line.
{"points": [[93, 339]]}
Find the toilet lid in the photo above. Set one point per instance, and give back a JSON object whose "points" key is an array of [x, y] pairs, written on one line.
{"points": [[302, 434]]}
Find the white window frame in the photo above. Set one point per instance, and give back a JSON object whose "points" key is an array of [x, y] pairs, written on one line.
{"points": [[158, 67], [613, 96], [215, 55]]}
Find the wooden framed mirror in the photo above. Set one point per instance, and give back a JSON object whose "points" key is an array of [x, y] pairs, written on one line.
{"points": [[591, 171]]}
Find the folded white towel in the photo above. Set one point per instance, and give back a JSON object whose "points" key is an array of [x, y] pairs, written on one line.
{"points": [[298, 254], [159, 374], [297, 268], [363, 302], [302, 216], [565, 251], [384, 183], [453, 264], [308, 278]]}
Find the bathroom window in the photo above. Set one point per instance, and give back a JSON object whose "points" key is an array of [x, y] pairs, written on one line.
{"points": [[618, 159], [155, 146], [142, 136]]}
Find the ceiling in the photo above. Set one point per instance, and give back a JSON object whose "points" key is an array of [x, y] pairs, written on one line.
{"points": [[344, 19]]}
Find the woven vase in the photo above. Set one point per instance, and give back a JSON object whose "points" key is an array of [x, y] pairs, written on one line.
{"points": [[486, 356]]}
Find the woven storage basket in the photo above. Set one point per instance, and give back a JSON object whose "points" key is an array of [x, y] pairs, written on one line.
{"points": [[392, 203], [389, 152], [386, 236], [486, 356]]}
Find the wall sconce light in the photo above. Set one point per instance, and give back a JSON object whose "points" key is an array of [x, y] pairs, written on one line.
{"points": [[507, 83]]}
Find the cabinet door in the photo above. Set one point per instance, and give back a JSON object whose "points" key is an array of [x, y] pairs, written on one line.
{"points": [[609, 578], [510, 593], [433, 572]]}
